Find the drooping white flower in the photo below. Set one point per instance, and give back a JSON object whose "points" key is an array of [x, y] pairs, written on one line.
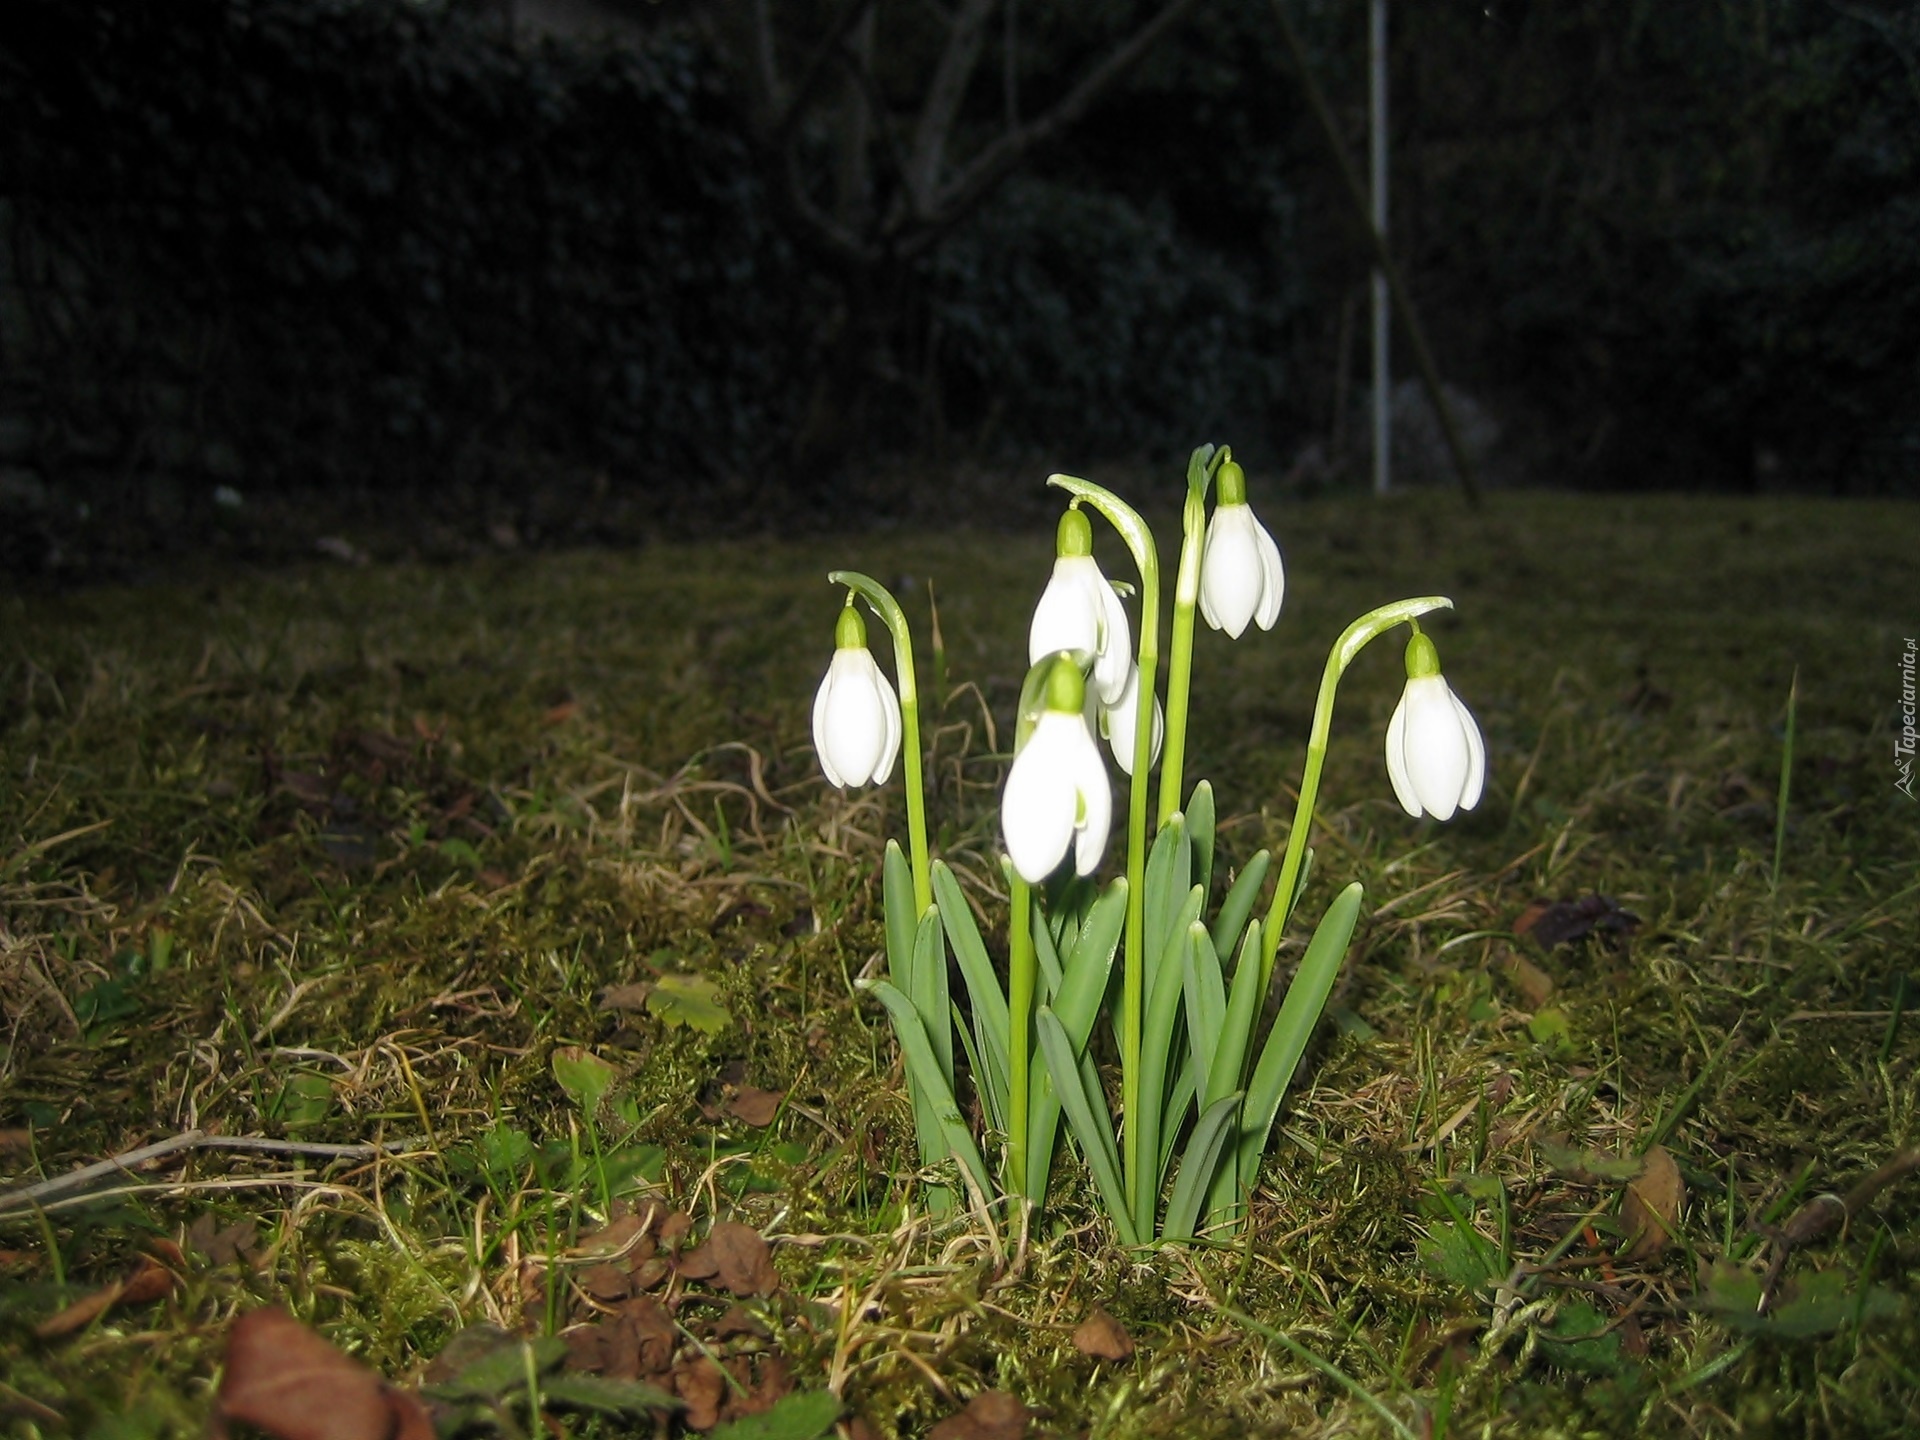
{"points": [[1436, 757], [1079, 612], [1241, 577], [856, 716], [1120, 723], [1057, 796]]}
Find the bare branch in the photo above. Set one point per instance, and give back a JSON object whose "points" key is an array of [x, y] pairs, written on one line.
{"points": [[945, 92], [957, 199]]}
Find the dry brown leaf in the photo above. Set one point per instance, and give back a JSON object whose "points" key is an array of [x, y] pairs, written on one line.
{"points": [[703, 1385], [1561, 922], [283, 1379], [607, 1282], [755, 1106], [631, 996], [737, 1256], [1103, 1337], [81, 1312], [739, 1321], [993, 1415], [147, 1282], [1650, 1212], [226, 1246], [1533, 983], [640, 1344]]}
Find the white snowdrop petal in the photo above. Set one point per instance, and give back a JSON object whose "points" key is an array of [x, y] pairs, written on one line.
{"points": [[1230, 576], [1476, 754], [1397, 760], [1068, 615], [822, 704], [1037, 811], [1095, 810], [1436, 748], [1273, 577]]}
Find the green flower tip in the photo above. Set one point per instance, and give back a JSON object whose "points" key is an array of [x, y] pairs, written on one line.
{"points": [[1233, 482], [849, 631], [1422, 658], [1075, 536], [1066, 687]]}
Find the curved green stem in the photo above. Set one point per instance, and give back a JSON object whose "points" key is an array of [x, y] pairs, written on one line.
{"points": [[888, 609], [1355, 638], [1186, 599], [1021, 966], [1139, 539]]}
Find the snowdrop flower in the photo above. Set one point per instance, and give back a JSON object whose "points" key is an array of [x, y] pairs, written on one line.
{"points": [[1241, 577], [1120, 722], [1435, 756], [856, 716], [1057, 796], [1080, 613]]}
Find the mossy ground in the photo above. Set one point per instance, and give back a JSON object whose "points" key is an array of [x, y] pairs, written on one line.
{"points": [[347, 855]]}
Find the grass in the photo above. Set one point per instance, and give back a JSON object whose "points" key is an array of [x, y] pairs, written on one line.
{"points": [[348, 856]]}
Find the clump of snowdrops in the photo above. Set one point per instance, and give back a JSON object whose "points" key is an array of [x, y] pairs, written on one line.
{"points": [[1200, 1083]]}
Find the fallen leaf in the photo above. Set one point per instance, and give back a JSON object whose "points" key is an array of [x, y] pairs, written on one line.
{"points": [[755, 1106], [148, 1281], [737, 1256], [1533, 983], [641, 1341], [1103, 1337], [703, 1386], [992, 1415], [740, 1321], [222, 1246], [1564, 921], [607, 1282], [584, 1076], [689, 1000], [631, 996], [1650, 1213], [286, 1381]]}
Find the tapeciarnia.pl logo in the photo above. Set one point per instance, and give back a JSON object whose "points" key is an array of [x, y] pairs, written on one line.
{"points": [[1903, 743]]}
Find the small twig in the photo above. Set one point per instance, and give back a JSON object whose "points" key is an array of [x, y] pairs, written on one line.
{"points": [[34, 1196], [1820, 1214]]}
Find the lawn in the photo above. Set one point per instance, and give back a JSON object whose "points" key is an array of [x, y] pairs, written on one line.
{"points": [[503, 902]]}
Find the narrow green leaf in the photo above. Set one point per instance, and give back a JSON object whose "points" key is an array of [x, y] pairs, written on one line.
{"points": [[1203, 1152], [1306, 998], [924, 1068], [1236, 1030], [1168, 878], [929, 991], [984, 994], [1093, 1131], [1045, 954], [1200, 834], [896, 892], [1206, 996], [1077, 1005], [1184, 1091], [1156, 1053], [1231, 919]]}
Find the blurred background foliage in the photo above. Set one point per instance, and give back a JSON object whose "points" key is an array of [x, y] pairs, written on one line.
{"points": [[375, 244]]}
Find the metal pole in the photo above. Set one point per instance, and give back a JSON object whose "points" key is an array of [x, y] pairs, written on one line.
{"points": [[1382, 380]]}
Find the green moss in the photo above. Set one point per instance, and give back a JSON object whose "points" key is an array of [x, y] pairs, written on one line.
{"points": [[395, 833]]}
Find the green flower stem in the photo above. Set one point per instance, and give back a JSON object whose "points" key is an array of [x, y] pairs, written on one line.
{"points": [[1139, 539], [1186, 599], [888, 609], [1352, 641], [1021, 966]]}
